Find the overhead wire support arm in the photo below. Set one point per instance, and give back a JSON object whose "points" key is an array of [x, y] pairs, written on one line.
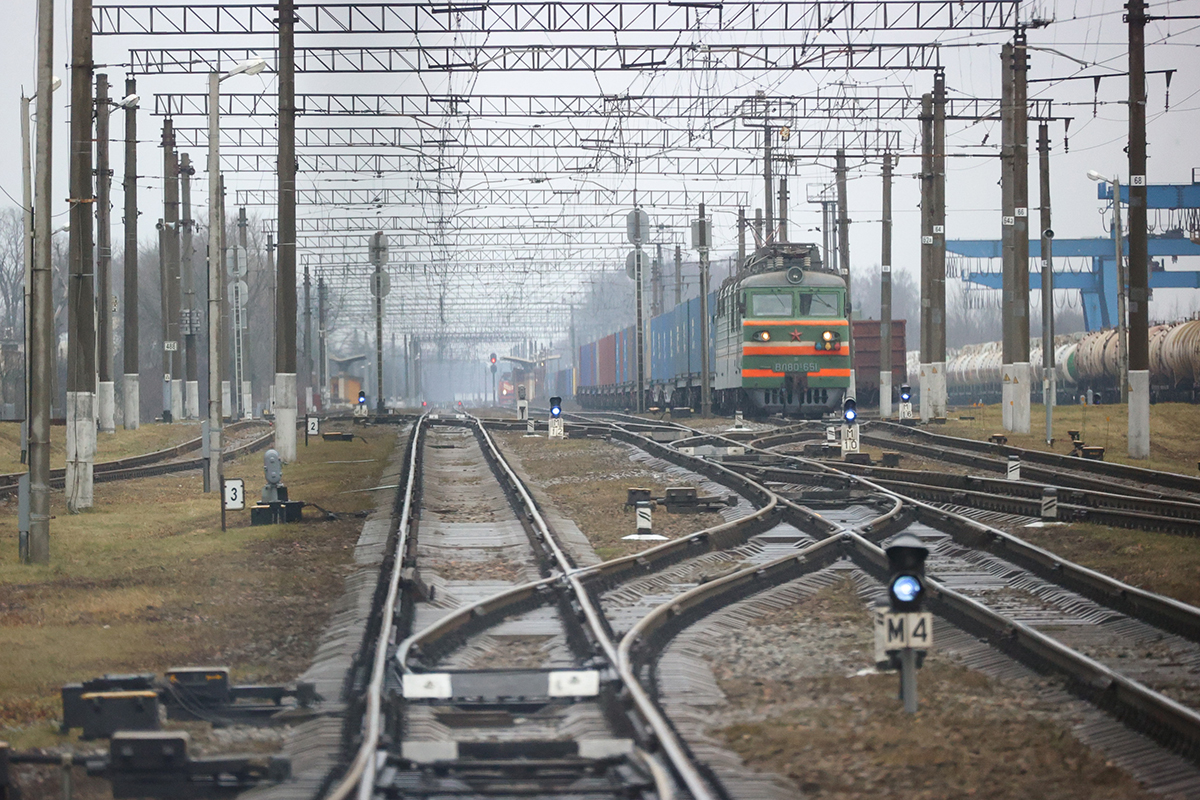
{"points": [[629, 107], [579, 16], [550, 58]]}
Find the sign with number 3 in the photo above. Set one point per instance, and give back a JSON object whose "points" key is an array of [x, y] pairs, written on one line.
{"points": [[235, 494]]}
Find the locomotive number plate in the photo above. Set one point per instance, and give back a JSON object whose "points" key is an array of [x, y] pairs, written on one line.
{"points": [[802, 367]]}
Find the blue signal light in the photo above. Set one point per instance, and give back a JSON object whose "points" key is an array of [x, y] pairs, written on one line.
{"points": [[906, 588]]}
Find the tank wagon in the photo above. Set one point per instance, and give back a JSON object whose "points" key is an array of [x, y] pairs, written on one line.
{"points": [[1087, 361]]}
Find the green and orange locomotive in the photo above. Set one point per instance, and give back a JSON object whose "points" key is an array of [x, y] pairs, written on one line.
{"points": [[779, 344], [782, 335]]}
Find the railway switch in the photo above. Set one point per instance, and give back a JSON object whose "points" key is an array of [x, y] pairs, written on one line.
{"points": [[904, 632]]}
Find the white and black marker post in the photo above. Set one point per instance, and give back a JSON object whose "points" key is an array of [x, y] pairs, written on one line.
{"points": [[1014, 468], [1049, 503]]}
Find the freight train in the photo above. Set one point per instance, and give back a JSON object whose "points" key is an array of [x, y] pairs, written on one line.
{"points": [[778, 344], [1082, 362]]}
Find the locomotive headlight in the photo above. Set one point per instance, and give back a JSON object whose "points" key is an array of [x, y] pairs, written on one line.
{"points": [[827, 336], [763, 336]]}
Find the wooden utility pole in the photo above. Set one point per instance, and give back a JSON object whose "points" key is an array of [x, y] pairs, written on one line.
{"points": [[104, 354], [285, 304], [1139, 259], [885, 295], [81, 288]]}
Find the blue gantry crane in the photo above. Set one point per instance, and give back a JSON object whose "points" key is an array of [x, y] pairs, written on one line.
{"points": [[1098, 287]]}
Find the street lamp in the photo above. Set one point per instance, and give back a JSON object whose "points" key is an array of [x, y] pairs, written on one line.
{"points": [[251, 66], [1122, 339]]}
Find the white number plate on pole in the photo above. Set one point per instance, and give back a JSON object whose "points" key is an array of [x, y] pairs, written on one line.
{"points": [[235, 494], [170, 346], [897, 631], [314, 426], [849, 439]]}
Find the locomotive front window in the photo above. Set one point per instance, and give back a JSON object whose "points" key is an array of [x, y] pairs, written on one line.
{"points": [[819, 304], [771, 305]]}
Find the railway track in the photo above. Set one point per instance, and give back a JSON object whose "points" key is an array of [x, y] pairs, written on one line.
{"points": [[503, 662], [1131, 653], [160, 462]]}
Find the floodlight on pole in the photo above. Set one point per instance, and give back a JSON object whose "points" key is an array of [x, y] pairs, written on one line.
{"points": [[1096, 176], [251, 66]]}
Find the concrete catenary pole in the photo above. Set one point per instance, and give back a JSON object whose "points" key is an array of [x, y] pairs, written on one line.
{"points": [[1020, 174], [129, 345], [41, 309], [322, 375], [243, 399], [768, 180], [1049, 389], [783, 208], [678, 274], [308, 344], [189, 313], [928, 378], [937, 265], [172, 349], [1007, 245], [104, 352], [1139, 286], [843, 226], [81, 317], [885, 295], [26, 260], [212, 472], [285, 306], [741, 233], [705, 357]]}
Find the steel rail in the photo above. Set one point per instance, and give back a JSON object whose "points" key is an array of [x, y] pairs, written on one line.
{"points": [[1169, 480], [362, 769], [1167, 721]]}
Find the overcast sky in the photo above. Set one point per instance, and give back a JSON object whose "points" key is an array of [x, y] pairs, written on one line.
{"points": [[1085, 37]]}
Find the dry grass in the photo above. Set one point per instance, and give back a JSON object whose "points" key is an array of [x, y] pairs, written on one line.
{"points": [[1173, 446], [109, 446], [147, 580], [587, 480], [1157, 562]]}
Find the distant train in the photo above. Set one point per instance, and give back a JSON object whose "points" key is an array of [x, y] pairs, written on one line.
{"points": [[1082, 362], [778, 344]]}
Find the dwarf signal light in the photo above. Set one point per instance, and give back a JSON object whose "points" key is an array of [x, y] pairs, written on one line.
{"points": [[362, 398], [906, 565], [850, 411], [905, 393], [555, 407]]}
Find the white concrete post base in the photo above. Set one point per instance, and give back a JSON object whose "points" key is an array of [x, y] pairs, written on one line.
{"points": [[852, 391], [107, 400], [1021, 392], [885, 395], [226, 400], [247, 401], [132, 404], [1139, 413], [176, 399], [285, 416], [81, 449], [192, 399], [1006, 400], [932, 378], [939, 397]]}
